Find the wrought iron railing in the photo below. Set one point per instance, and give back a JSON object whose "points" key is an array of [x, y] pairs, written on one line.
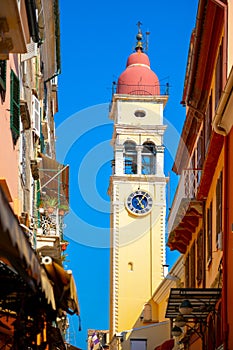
{"points": [[186, 190], [141, 89]]}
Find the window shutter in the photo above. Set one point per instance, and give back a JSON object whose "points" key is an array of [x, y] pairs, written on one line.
{"points": [[218, 77], [192, 266], [208, 123], [14, 107], [187, 272], [36, 115], [200, 266], [219, 212], [209, 234]]}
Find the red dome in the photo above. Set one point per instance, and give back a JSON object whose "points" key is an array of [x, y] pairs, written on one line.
{"points": [[138, 58], [138, 78]]}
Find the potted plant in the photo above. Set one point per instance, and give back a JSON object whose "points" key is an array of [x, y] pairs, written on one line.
{"points": [[64, 245], [50, 204], [63, 208]]}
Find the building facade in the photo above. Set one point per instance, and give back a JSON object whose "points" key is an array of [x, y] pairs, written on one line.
{"points": [[137, 192], [199, 221], [38, 293]]}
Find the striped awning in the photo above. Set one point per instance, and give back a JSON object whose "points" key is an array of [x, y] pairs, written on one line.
{"points": [[17, 252], [203, 301], [64, 286]]}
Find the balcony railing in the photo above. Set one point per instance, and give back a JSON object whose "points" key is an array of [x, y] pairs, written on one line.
{"points": [[141, 89], [185, 193]]}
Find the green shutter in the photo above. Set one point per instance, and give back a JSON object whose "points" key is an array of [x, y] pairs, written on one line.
{"points": [[14, 107]]}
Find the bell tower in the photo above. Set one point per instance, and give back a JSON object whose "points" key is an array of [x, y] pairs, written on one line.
{"points": [[137, 190]]}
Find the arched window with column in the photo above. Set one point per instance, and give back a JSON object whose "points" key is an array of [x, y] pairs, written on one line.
{"points": [[130, 157], [148, 158]]}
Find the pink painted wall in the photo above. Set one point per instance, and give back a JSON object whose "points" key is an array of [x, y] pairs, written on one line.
{"points": [[8, 151]]}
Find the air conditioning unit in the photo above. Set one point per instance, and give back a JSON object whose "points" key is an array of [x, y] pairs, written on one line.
{"points": [[31, 51], [36, 115]]}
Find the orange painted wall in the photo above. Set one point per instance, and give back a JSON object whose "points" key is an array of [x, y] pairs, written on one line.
{"points": [[8, 152], [230, 240], [212, 276]]}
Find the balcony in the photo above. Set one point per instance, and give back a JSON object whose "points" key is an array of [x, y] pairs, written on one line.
{"points": [[185, 212], [13, 28], [141, 89]]}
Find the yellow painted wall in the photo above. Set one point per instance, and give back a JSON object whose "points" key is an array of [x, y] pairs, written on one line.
{"points": [[126, 110], [137, 242], [155, 334], [140, 139], [141, 252]]}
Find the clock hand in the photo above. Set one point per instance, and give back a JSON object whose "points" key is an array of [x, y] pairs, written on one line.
{"points": [[140, 202]]}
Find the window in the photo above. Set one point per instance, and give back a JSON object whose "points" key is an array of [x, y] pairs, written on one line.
{"points": [[14, 107], [130, 266], [147, 312], [148, 158], [2, 78], [200, 156], [192, 265], [130, 157], [208, 123], [187, 272], [209, 233], [200, 151], [137, 344], [219, 212], [140, 114], [218, 77], [200, 261]]}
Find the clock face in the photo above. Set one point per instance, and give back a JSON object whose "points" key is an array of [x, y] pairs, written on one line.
{"points": [[139, 202]]}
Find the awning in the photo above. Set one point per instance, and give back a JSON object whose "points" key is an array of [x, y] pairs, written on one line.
{"points": [[15, 248], [203, 301], [64, 287], [54, 178], [167, 345]]}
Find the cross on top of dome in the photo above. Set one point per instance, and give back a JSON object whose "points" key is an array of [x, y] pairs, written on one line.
{"points": [[139, 36]]}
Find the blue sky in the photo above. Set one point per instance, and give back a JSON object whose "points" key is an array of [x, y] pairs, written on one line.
{"points": [[96, 39]]}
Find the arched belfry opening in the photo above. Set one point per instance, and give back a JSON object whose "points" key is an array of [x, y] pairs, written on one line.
{"points": [[149, 158], [130, 157]]}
